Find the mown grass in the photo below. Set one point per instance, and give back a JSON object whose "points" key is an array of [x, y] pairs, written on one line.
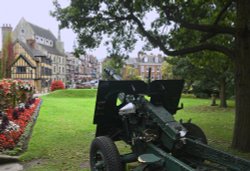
{"points": [[62, 134], [64, 130]]}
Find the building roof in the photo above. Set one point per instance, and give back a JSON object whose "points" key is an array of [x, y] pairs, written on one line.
{"points": [[131, 61], [52, 50], [42, 32], [25, 59], [33, 52], [45, 33]]}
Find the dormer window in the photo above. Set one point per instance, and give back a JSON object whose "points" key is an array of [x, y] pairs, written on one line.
{"points": [[156, 60]]}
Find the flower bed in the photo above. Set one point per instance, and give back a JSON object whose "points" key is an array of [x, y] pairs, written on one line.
{"points": [[17, 106], [10, 136]]}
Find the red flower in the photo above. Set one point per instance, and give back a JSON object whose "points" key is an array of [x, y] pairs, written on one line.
{"points": [[9, 139]]}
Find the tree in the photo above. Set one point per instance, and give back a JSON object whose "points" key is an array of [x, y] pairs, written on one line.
{"points": [[7, 57], [130, 73], [115, 62], [167, 70], [205, 75], [122, 20]]}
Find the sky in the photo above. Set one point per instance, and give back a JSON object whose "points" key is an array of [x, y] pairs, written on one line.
{"points": [[38, 13]]}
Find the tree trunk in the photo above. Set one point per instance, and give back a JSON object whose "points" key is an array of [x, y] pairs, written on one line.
{"points": [[223, 100], [241, 137]]}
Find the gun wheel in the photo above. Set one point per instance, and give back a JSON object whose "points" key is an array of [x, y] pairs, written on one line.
{"points": [[104, 155]]}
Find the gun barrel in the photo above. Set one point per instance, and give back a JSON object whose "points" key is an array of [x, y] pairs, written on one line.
{"points": [[111, 73]]}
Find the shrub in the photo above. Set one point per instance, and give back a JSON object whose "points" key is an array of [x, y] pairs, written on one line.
{"points": [[57, 85]]}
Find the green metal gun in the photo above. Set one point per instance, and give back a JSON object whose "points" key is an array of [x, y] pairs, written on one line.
{"points": [[157, 141]]}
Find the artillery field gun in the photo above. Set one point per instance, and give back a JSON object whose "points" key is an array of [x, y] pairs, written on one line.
{"points": [[157, 141]]}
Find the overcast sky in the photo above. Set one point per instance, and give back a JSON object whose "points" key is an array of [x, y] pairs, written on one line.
{"points": [[37, 12]]}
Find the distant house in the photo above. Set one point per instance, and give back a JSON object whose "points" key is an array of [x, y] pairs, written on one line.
{"points": [[82, 69], [145, 61], [45, 42]]}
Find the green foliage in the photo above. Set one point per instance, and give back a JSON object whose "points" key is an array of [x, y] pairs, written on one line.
{"points": [[167, 70], [94, 19], [130, 73], [203, 74], [124, 22], [115, 62]]}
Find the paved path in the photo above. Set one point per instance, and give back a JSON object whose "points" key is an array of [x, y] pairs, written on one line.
{"points": [[9, 163], [40, 94], [11, 167]]}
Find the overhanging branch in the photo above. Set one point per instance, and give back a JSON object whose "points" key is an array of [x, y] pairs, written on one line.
{"points": [[202, 47], [156, 42], [199, 27], [217, 20]]}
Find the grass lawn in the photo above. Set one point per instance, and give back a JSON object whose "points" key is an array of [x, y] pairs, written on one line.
{"points": [[64, 129]]}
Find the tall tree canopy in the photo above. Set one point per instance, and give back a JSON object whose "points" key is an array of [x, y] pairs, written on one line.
{"points": [[220, 26], [206, 76]]}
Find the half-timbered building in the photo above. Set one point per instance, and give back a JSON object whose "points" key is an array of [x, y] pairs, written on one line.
{"points": [[31, 65], [46, 43]]}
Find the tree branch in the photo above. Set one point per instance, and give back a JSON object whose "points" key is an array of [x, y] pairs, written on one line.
{"points": [[156, 42], [199, 27], [223, 11], [202, 47], [218, 18]]}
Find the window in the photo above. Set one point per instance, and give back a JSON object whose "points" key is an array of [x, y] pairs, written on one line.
{"points": [[156, 60], [21, 70], [158, 69], [142, 68]]}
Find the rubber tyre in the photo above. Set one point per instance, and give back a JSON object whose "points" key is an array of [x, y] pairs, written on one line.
{"points": [[103, 149], [195, 132]]}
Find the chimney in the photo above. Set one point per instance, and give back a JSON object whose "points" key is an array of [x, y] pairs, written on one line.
{"points": [[6, 29], [31, 43]]}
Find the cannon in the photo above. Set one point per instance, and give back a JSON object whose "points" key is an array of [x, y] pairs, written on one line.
{"points": [[141, 115]]}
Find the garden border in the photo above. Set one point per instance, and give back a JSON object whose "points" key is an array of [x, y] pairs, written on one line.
{"points": [[23, 141]]}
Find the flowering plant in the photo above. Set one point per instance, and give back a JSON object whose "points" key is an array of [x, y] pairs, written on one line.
{"points": [[13, 116], [57, 85], [13, 92]]}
